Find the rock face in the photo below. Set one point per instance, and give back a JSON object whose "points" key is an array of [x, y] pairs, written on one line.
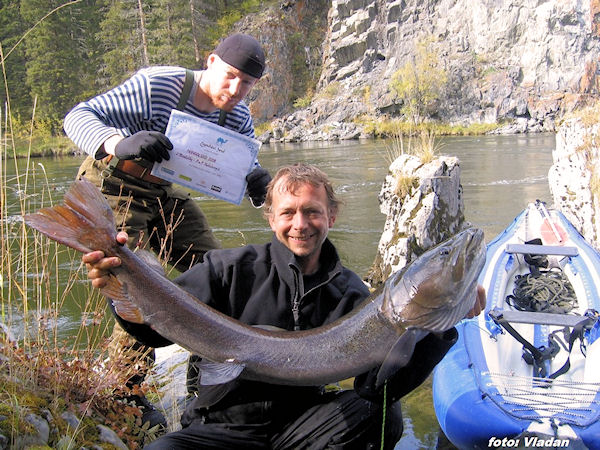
{"points": [[524, 61], [505, 59], [573, 174], [291, 32], [424, 206], [168, 377]]}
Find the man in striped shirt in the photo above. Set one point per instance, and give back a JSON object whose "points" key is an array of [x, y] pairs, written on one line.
{"points": [[122, 131]]}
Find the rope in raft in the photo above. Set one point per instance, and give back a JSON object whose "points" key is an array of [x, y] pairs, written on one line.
{"points": [[549, 291]]}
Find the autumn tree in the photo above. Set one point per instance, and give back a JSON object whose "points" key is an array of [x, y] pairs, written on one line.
{"points": [[419, 83]]}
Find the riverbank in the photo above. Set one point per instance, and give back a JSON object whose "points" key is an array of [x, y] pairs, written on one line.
{"points": [[59, 398], [42, 146], [281, 131]]}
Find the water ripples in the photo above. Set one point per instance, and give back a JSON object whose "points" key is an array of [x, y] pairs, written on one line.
{"points": [[514, 182]]}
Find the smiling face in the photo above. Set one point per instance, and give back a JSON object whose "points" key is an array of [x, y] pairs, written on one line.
{"points": [[223, 85], [301, 217]]}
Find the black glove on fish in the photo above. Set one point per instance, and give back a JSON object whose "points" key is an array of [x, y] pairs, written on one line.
{"points": [[428, 352], [257, 185], [150, 145]]}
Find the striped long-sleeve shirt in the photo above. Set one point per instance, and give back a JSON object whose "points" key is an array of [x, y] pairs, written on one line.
{"points": [[144, 102]]}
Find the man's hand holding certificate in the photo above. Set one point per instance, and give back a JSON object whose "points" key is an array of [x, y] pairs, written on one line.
{"points": [[207, 158]]}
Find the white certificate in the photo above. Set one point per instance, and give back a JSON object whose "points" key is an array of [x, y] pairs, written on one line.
{"points": [[207, 158]]}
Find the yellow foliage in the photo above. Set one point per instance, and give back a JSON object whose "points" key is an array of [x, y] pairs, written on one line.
{"points": [[419, 82]]}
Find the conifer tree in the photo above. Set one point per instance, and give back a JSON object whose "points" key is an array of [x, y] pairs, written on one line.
{"points": [[59, 51], [11, 31]]}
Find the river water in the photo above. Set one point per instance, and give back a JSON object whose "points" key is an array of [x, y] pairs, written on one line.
{"points": [[499, 175]]}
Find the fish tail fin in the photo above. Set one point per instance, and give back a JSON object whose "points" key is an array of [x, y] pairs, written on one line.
{"points": [[84, 221]]}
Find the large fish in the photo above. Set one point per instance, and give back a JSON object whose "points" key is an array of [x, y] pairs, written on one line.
{"points": [[430, 295]]}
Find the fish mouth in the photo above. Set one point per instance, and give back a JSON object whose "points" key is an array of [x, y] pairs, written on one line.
{"points": [[473, 256], [477, 249], [474, 250], [475, 237]]}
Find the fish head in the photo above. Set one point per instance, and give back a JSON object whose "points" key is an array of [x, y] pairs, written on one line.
{"points": [[438, 288]]}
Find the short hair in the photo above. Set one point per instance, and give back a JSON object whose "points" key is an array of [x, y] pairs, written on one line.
{"points": [[296, 175]]}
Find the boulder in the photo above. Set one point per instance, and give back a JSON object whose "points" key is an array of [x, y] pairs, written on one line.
{"points": [[423, 205]]}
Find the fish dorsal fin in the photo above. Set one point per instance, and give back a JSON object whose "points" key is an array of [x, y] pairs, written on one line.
{"points": [[116, 292], [150, 259], [399, 355], [212, 373]]}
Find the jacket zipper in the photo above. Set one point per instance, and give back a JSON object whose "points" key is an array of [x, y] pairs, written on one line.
{"points": [[297, 299], [296, 302]]}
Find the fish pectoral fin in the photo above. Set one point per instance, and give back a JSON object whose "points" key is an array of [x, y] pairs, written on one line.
{"points": [[399, 355], [116, 292], [212, 373]]}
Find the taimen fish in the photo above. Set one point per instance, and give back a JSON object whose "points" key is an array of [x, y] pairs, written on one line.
{"points": [[431, 294]]}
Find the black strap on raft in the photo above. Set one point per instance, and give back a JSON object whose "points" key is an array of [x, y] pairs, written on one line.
{"points": [[532, 355], [536, 356], [578, 330], [185, 95]]}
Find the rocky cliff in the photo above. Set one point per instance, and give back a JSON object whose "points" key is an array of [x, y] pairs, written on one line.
{"points": [[573, 178], [523, 62]]}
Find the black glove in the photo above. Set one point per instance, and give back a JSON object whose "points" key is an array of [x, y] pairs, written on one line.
{"points": [[150, 145], [257, 185], [428, 352]]}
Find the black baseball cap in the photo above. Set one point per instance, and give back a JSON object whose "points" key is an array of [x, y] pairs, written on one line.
{"points": [[243, 52]]}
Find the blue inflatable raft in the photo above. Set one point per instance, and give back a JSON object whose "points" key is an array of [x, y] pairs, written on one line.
{"points": [[527, 371]]}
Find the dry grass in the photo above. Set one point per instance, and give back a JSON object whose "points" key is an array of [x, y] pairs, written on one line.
{"points": [[404, 184], [589, 115], [424, 145], [43, 368], [590, 148]]}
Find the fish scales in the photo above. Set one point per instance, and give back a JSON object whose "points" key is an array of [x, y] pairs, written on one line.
{"points": [[285, 357], [432, 294]]}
